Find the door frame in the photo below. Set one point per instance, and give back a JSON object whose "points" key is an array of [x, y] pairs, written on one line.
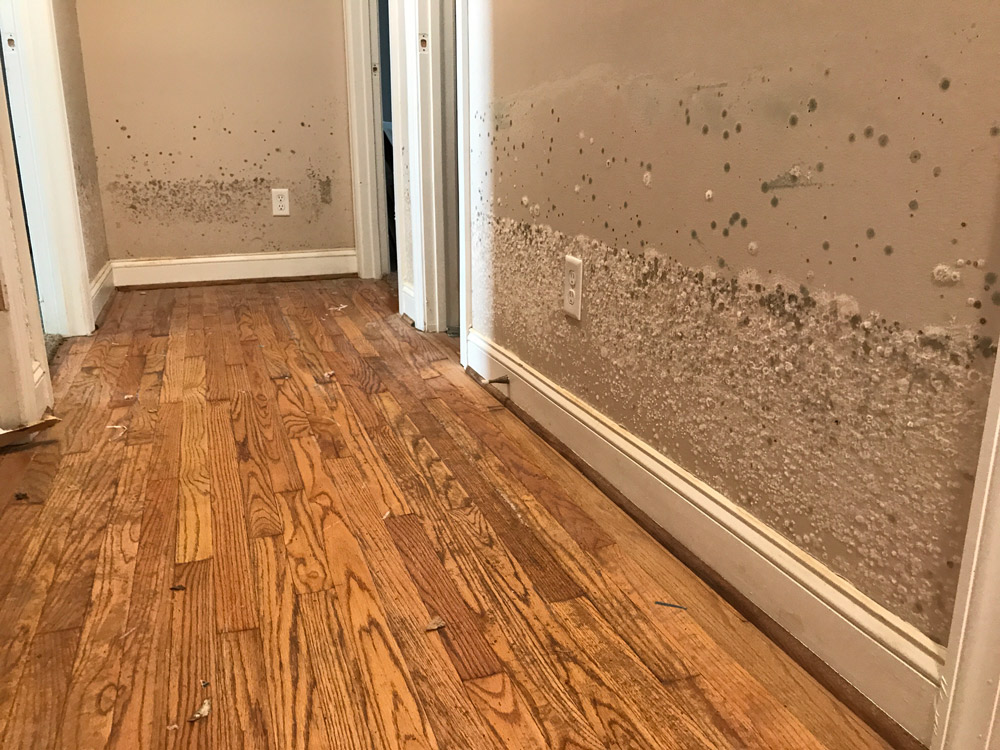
{"points": [[45, 162], [416, 71]]}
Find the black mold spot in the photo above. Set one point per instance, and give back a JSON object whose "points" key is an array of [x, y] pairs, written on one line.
{"points": [[945, 84], [995, 131], [764, 187], [704, 129], [990, 278], [851, 138], [812, 105], [774, 201], [869, 131], [915, 156], [725, 134], [725, 167], [937, 171], [883, 140], [995, 299], [870, 233], [826, 245], [739, 127], [887, 249], [914, 205], [793, 120], [820, 166]]}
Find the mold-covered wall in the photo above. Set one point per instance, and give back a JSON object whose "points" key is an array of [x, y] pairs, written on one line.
{"points": [[787, 214], [200, 108], [81, 135]]}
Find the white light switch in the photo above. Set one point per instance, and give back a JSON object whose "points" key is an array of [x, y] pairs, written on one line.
{"points": [[573, 286]]}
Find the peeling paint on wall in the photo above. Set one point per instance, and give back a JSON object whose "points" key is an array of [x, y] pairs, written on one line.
{"points": [[820, 356]]}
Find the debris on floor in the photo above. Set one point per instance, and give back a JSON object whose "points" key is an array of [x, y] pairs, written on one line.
{"points": [[435, 624], [20, 434], [673, 606], [203, 711], [172, 727], [179, 587]]}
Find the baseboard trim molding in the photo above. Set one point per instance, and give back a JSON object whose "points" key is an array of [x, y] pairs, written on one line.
{"points": [[101, 289], [885, 659], [210, 268]]}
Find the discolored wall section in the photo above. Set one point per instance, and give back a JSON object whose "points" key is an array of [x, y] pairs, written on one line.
{"points": [[788, 219], [81, 135], [200, 109]]}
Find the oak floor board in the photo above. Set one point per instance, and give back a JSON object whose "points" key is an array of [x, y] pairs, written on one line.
{"points": [[42, 692], [265, 494], [235, 605]]}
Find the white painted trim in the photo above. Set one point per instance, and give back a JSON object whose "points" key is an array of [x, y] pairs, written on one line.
{"points": [[430, 282], [407, 301], [967, 715], [464, 177], [48, 176], [101, 289], [888, 660], [364, 115], [140, 272]]}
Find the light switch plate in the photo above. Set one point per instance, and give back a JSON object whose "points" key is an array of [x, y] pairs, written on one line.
{"points": [[573, 286], [279, 202]]}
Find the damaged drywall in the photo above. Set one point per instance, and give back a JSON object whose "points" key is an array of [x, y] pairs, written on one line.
{"points": [[789, 232], [194, 125]]}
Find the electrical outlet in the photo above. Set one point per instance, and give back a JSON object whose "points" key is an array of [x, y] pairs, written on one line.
{"points": [[573, 286], [279, 202]]}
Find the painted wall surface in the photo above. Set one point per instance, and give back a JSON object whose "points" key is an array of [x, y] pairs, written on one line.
{"points": [[200, 109], [788, 218], [81, 134]]}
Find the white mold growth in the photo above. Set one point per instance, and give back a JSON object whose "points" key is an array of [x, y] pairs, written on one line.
{"points": [[855, 437]]}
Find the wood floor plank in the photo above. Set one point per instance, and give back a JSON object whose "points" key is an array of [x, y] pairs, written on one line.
{"points": [[449, 710], [191, 669], [140, 713], [254, 455], [90, 701], [242, 699], [300, 714], [500, 702], [194, 520], [68, 596], [462, 633], [321, 548], [394, 717], [41, 693], [235, 605], [545, 571], [30, 581]]}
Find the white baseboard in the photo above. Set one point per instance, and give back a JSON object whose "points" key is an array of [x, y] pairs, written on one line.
{"points": [[142, 272], [889, 661], [101, 289], [408, 301]]}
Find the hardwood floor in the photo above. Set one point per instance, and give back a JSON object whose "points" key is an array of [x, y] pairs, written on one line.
{"points": [[273, 495]]}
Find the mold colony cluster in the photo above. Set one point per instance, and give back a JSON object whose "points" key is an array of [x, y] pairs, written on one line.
{"points": [[853, 436], [220, 181]]}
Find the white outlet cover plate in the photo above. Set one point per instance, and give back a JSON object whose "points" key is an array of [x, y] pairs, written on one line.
{"points": [[280, 205], [573, 286]]}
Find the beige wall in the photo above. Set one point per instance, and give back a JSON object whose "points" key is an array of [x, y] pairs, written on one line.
{"points": [[200, 108], [81, 135], [815, 340]]}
